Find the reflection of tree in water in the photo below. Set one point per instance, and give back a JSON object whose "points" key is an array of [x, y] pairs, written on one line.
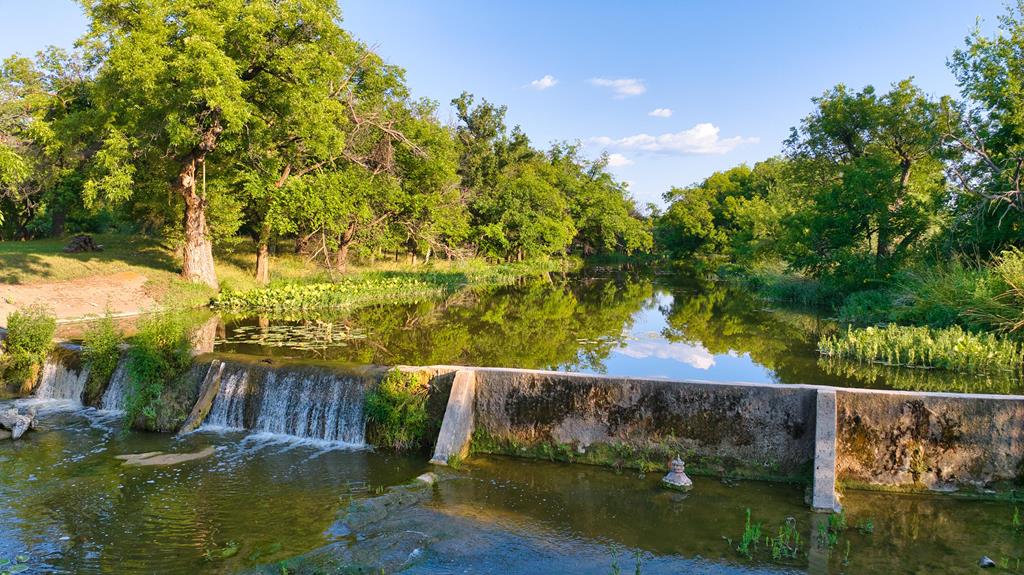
{"points": [[725, 319], [916, 379], [566, 322], [538, 324]]}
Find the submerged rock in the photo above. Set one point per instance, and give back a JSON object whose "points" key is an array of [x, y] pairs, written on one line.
{"points": [[4, 434], [154, 458], [986, 562]]}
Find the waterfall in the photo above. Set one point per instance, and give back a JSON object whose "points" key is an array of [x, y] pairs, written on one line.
{"points": [[113, 397], [303, 402], [59, 381]]}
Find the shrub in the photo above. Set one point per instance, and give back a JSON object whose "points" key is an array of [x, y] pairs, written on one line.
{"points": [[869, 307], [100, 352], [29, 339], [949, 348], [397, 411], [160, 355]]}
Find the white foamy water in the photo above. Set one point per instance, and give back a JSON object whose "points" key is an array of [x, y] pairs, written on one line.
{"points": [[57, 382]]}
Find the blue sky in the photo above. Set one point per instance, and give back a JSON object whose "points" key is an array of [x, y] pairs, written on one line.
{"points": [[736, 75]]}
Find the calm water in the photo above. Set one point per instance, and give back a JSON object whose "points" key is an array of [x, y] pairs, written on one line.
{"points": [[68, 506], [617, 322]]}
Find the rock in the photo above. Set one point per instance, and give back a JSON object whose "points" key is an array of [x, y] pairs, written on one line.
{"points": [[677, 478], [15, 422], [985, 562], [82, 243], [154, 458], [4, 434]]}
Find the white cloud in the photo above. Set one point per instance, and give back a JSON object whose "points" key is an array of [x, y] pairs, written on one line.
{"points": [[621, 87], [700, 140], [548, 81], [618, 160], [692, 355], [661, 113]]}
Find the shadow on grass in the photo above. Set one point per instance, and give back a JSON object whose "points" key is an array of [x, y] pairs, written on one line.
{"points": [[43, 260]]}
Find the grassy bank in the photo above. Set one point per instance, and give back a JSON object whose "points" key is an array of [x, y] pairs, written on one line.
{"points": [[297, 282]]}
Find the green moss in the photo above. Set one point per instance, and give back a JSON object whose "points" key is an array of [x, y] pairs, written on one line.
{"points": [[648, 458]]}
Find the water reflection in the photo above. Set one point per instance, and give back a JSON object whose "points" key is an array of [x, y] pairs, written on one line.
{"points": [[616, 322]]}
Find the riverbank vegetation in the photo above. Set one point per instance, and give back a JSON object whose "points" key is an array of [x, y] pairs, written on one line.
{"points": [[28, 340], [157, 395], [101, 351], [210, 128], [887, 206]]}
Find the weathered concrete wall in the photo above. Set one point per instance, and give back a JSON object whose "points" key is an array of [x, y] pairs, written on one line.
{"points": [[881, 439], [939, 442], [750, 430]]}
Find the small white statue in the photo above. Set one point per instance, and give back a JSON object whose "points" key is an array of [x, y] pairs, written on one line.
{"points": [[676, 478]]}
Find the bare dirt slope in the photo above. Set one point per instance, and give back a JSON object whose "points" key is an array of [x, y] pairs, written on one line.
{"points": [[122, 293]]}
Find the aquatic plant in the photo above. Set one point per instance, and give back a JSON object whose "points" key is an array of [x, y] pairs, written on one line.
{"points": [[949, 348], [160, 354], [1017, 522], [397, 411], [29, 339], [373, 287], [828, 533], [19, 564], [866, 527], [101, 350], [750, 538], [786, 544], [894, 377]]}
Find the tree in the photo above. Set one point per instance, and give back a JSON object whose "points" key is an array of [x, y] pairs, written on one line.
{"points": [[606, 217], [987, 130], [736, 214], [183, 82], [869, 174]]}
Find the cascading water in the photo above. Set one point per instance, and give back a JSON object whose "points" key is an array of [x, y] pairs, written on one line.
{"points": [[58, 381], [303, 402], [113, 397]]}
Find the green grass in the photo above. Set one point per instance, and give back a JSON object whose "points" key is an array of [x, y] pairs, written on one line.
{"points": [[43, 261], [949, 348]]}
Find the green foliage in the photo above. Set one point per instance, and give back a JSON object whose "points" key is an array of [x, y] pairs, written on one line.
{"points": [[750, 539], [949, 348], [29, 339], [101, 350], [160, 354], [396, 410], [785, 545]]}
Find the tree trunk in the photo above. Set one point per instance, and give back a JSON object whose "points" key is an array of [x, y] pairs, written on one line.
{"points": [[60, 216], [263, 262], [341, 257], [197, 264]]}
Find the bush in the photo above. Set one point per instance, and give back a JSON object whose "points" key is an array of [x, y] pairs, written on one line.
{"points": [[29, 339], [869, 307], [100, 352], [397, 411], [160, 355]]}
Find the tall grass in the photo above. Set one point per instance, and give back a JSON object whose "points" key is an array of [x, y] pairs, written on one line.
{"points": [[949, 348], [101, 350], [160, 354]]}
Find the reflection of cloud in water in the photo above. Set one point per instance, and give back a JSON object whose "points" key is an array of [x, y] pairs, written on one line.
{"points": [[693, 355]]}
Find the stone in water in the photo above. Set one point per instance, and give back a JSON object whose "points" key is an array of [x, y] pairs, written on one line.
{"points": [[676, 478]]}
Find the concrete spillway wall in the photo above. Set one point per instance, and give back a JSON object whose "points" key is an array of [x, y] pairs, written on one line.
{"points": [[861, 438]]}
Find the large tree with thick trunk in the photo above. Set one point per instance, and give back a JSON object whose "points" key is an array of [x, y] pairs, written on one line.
{"points": [[185, 85]]}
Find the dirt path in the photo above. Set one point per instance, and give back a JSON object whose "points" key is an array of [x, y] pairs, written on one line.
{"points": [[122, 293]]}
